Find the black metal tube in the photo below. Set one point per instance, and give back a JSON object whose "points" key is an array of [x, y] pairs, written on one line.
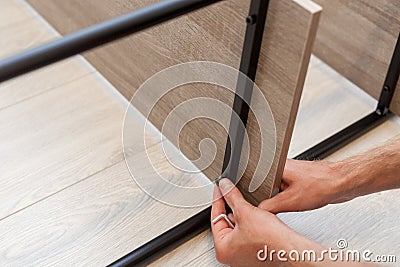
{"points": [[244, 89], [342, 138], [169, 239], [97, 35]]}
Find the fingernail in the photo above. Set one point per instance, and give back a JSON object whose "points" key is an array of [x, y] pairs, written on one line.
{"points": [[225, 185]]}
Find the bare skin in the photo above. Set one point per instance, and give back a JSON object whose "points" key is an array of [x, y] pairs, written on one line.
{"points": [[305, 186]]}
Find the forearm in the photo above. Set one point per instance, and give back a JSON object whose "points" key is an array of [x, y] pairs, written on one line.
{"points": [[370, 172]]}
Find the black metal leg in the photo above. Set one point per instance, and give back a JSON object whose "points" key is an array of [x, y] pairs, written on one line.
{"points": [[391, 80], [244, 90]]}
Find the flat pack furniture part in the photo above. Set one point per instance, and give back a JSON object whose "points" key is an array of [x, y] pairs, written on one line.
{"points": [[212, 34], [357, 38]]}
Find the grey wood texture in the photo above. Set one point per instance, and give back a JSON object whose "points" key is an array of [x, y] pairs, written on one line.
{"points": [[213, 34], [357, 38]]}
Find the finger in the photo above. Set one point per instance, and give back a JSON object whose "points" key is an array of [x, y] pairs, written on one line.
{"points": [[221, 227], [231, 217], [282, 202], [290, 170], [218, 206], [232, 195]]}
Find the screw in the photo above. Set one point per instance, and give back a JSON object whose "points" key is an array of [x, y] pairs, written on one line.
{"points": [[386, 88], [251, 19]]}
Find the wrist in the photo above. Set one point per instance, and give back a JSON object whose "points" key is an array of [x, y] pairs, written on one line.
{"points": [[342, 185], [353, 179]]}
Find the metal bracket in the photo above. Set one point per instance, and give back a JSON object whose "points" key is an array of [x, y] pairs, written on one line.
{"points": [[390, 83]]}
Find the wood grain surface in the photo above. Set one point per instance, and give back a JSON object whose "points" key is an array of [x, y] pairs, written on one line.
{"points": [[12, 12], [213, 34], [357, 38]]}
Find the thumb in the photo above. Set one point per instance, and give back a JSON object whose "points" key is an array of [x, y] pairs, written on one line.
{"points": [[232, 194], [282, 202]]}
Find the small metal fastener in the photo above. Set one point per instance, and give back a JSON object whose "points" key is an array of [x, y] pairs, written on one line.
{"points": [[223, 216], [251, 19]]}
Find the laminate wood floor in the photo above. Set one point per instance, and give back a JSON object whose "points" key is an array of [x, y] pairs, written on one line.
{"points": [[66, 195]]}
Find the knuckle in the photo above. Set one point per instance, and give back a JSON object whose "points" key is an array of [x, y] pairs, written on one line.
{"points": [[238, 213]]}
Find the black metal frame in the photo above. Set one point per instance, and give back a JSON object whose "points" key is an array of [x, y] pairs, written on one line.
{"points": [[136, 21]]}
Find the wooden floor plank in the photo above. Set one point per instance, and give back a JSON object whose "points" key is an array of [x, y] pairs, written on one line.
{"points": [[12, 12], [205, 259], [25, 33], [91, 223], [58, 138], [38, 82], [328, 104]]}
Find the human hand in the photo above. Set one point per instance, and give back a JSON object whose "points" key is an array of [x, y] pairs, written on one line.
{"points": [[307, 185], [254, 229]]}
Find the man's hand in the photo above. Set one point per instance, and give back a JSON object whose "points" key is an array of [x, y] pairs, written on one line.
{"points": [[311, 185], [254, 228], [306, 186]]}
